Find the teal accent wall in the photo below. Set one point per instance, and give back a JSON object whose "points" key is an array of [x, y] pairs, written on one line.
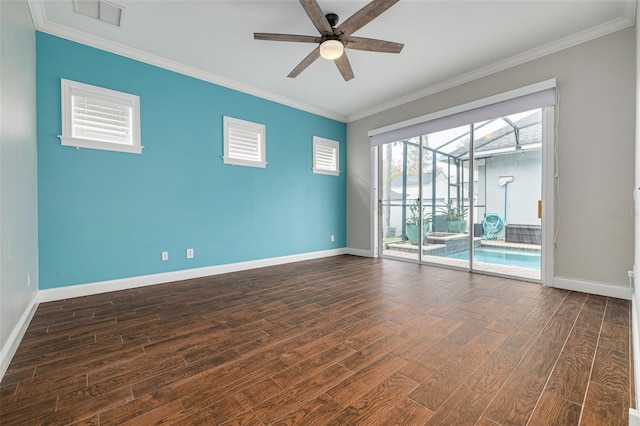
{"points": [[106, 215]]}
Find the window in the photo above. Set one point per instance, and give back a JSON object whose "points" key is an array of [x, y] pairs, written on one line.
{"points": [[98, 118], [244, 143], [326, 156]]}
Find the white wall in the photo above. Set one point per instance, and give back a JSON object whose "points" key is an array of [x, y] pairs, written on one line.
{"points": [[523, 192], [596, 81], [636, 268], [18, 201]]}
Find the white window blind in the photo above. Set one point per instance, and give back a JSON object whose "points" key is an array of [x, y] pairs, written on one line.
{"points": [[326, 158], [527, 98], [99, 118], [244, 143]]}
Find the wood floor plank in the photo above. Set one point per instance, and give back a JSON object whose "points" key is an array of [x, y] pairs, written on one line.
{"points": [[506, 322], [135, 370], [592, 313], [406, 412], [416, 371], [211, 386], [515, 401], [12, 412], [315, 412], [138, 411], [36, 387], [614, 337], [555, 411], [605, 406], [154, 382], [611, 369], [79, 407], [299, 372], [359, 383], [371, 353], [489, 377], [481, 345], [372, 333], [371, 407], [486, 422], [293, 398], [617, 312], [570, 376], [463, 408], [246, 419], [255, 394], [438, 387], [337, 340]]}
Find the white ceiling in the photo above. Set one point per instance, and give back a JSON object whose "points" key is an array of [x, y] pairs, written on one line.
{"points": [[446, 43]]}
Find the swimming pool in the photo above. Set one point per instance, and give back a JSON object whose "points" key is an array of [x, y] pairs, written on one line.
{"points": [[498, 256]]}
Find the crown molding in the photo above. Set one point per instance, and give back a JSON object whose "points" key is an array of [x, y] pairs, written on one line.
{"points": [[626, 19], [43, 25]]}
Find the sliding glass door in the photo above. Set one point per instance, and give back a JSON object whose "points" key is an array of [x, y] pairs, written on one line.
{"points": [[507, 160], [467, 197]]}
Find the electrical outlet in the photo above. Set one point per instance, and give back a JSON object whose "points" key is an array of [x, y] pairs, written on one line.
{"points": [[190, 253], [333, 238], [28, 279], [165, 255]]}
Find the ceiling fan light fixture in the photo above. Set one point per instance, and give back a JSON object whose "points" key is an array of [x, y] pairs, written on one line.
{"points": [[331, 49]]}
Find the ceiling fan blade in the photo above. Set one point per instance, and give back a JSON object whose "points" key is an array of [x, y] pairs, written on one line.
{"points": [[364, 16], [317, 16], [344, 66], [287, 37], [372, 45], [315, 54]]}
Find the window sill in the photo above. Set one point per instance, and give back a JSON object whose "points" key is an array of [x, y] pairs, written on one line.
{"points": [[247, 163], [105, 146], [326, 172]]}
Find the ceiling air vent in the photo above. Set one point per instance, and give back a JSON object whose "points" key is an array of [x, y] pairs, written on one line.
{"points": [[101, 10]]}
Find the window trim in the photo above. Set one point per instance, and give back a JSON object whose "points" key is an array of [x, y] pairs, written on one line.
{"points": [[335, 145], [249, 125], [133, 101]]}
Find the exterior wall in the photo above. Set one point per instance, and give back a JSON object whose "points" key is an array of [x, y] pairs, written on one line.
{"points": [[107, 215], [522, 194], [18, 191], [596, 82]]}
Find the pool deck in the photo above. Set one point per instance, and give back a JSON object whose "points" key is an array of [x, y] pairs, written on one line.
{"points": [[408, 251], [506, 245]]}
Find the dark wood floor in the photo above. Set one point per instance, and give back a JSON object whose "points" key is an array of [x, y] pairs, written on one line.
{"points": [[338, 341]]}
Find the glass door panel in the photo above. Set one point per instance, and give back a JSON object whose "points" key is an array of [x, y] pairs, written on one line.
{"points": [[507, 187], [399, 200], [444, 189]]}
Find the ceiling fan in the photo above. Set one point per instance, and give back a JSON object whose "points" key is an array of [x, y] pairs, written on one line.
{"points": [[333, 40]]}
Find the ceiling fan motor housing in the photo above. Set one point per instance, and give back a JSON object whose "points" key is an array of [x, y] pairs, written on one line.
{"points": [[332, 18]]}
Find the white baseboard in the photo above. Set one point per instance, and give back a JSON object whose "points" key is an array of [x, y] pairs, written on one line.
{"points": [[602, 289], [11, 346], [359, 252], [634, 415], [79, 290]]}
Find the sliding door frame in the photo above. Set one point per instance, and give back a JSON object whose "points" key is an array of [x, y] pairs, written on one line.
{"points": [[548, 183]]}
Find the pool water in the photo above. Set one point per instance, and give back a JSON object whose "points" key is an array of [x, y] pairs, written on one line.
{"points": [[508, 257]]}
